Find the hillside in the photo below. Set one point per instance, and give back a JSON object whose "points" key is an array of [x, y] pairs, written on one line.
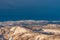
{"points": [[14, 31]]}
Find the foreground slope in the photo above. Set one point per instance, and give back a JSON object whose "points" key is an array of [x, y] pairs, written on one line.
{"points": [[21, 33], [16, 31]]}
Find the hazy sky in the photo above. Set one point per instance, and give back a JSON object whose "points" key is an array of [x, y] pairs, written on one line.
{"points": [[21, 3], [31, 8]]}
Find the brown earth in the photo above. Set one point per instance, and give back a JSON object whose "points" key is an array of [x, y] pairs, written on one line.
{"points": [[23, 33]]}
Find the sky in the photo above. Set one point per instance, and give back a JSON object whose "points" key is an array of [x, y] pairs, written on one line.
{"points": [[21, 3], [36, 9]]}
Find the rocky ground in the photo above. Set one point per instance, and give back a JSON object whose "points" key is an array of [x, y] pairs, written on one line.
{"points": [[14, 31]]}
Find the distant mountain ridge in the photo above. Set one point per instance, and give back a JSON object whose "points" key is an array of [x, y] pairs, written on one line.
{"points": [[28, 23]]}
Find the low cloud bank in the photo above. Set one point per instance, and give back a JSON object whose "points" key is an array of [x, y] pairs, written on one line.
{"points": [[31, 21]]}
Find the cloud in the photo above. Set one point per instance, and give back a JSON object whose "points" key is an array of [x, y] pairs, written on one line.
{"points": [[33, 21]]}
